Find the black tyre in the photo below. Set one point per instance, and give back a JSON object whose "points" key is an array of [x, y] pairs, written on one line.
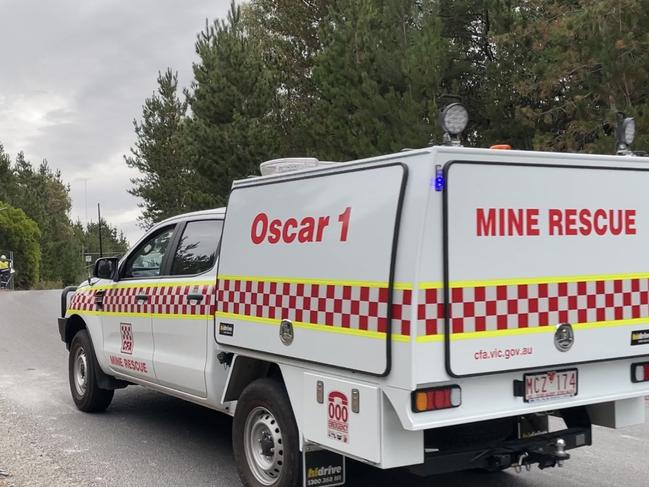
{"points": [[265, 438], [82, 368]]}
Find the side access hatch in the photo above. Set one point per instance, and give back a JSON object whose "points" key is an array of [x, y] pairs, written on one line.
{"points": [[546, 265]]}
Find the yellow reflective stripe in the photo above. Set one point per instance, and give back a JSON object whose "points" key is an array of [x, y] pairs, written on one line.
{"points": [[138, 315], [324, 328], [300, 280], [431, 285], [549, 280], [402, 285], [383, 284], [149, 284], [500, 333], [532, 330], [612, 323], [430, 338], [533, 280]]}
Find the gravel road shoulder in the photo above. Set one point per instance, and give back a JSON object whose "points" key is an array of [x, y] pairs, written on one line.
{"points": [[24, 457]]}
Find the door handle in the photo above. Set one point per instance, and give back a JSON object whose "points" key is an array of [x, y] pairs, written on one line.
{"points": [[142, 298], [99, 299], [195, 297]]}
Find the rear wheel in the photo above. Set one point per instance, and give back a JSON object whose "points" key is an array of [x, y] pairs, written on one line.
{"points": [[264, 437], [82, 368]]}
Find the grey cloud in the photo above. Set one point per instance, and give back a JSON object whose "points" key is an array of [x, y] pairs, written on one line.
{"points": [[74, 75]]}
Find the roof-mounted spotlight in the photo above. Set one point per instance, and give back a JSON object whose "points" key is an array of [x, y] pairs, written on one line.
{"points": [[624, 133], [453, 118]]}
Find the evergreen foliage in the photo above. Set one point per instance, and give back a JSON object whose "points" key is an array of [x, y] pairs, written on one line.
{"points": [[43, 196], [114, 244], [376, 78], [164, 186], [20, 234], [231, 127], [344, 79], [39, 208]]}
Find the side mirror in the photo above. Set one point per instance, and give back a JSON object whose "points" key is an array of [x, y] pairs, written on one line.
{"points": [[106, 268]]}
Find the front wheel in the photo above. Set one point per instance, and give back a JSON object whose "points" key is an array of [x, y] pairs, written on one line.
{"points": [[265, 438], [82, 367]]}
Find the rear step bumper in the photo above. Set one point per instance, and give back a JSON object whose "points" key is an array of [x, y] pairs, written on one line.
{"points": [[541, 450]]}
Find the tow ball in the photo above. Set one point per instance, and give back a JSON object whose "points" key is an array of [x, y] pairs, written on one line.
{"points": [[521, 463], [554, 456], [560, 452]]}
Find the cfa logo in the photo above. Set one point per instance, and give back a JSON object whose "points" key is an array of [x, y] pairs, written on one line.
{"points": [[564, 337], [126, 330]]}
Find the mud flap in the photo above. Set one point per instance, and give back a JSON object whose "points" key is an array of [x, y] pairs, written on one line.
{"points": [[322, 468]]}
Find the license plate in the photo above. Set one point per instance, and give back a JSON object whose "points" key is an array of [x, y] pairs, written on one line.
{"points": [[555, 384]]}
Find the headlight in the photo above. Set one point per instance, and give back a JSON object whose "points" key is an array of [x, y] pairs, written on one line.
{"points": [[628, 130], [454, 118]]}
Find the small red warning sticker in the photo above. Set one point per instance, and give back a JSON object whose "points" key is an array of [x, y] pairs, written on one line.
{"points": [[338, 415], [126, 331]]}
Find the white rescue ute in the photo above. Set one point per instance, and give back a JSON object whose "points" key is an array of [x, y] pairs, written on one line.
{"points": [[429, 309]]}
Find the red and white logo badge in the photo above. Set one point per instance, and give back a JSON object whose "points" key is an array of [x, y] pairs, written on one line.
{"points": [[126, 331], [338, 414]]}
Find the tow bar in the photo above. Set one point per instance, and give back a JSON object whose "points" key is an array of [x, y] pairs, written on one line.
{"points": [[555, 457], [546, 450]]}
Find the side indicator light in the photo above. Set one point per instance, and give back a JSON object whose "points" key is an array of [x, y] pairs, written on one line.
{"points": [[640, 372], [436, 398], [501, 147]]}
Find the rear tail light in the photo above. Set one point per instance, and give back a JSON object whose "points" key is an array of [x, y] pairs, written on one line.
{"points": [[436, 398], [640, 372]]}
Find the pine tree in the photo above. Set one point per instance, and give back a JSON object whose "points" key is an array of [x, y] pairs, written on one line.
{"points": [[289, 33], [377, 77], [44, 197], [166, 181], [114, 244], [20, 235], [231, 127], [481, 70], [577, 63], [7, 182]]}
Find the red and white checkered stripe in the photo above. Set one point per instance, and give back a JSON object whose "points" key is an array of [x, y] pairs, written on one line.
{"points": [[430, 312], [163, 300], [175, 300], [506, 307], [354, 307], [472, 309], [83, 300]]}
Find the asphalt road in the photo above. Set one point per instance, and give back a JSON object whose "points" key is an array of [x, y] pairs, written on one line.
{"points": [[148, 439]]}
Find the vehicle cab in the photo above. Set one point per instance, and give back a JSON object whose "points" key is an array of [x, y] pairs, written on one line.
{"points": [[162, 293]]}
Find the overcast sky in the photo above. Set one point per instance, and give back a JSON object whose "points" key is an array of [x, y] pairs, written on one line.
{"points": [[74, 75]]}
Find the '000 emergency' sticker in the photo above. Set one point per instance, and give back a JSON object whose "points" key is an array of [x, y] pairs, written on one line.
{"points": [[337, 416]]}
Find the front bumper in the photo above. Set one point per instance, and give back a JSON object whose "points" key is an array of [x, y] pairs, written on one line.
{"points": [[63, 322]]}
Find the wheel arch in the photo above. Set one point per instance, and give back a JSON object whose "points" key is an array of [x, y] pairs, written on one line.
{"points": [[73, 325], [244, 370]]}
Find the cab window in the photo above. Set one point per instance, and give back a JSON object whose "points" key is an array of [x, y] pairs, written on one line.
{"points": [[147, 260], [196, 252]]}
